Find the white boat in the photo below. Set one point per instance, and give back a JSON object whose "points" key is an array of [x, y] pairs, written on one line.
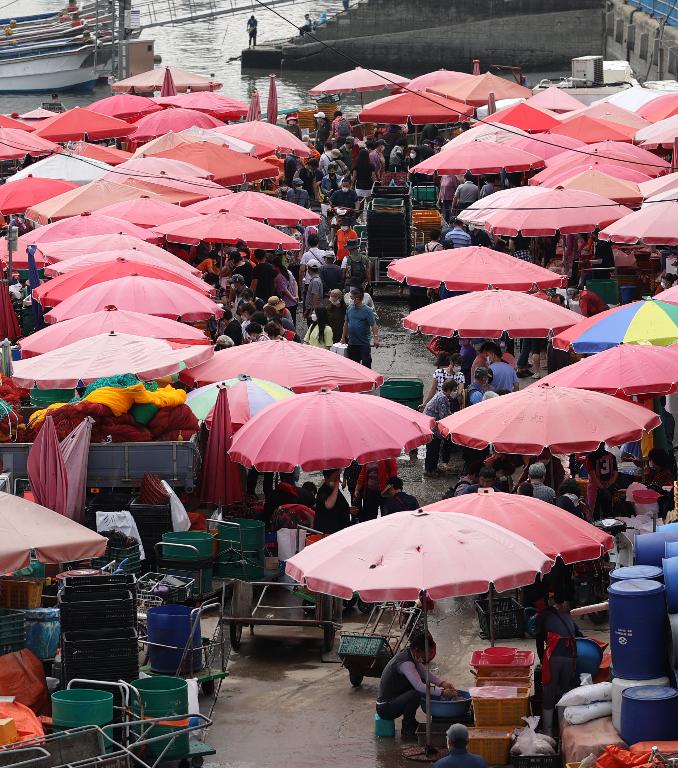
{"points": [[64, 70]]}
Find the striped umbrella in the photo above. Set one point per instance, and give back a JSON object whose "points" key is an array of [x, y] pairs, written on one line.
{"points": [[246, 396], [254, 112], [272, 107]]}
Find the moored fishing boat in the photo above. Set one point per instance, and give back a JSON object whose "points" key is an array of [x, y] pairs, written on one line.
{"points": [[62, 69]]}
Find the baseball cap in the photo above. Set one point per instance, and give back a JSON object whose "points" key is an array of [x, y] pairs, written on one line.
{"points": [[297, 182], [457, 732], [336, 154], [237, 278], [352, 244], [329, 255], [319, 114], [313, 264]]}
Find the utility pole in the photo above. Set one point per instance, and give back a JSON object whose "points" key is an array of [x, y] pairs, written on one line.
{"points": [[12, 242], [121, 40]]}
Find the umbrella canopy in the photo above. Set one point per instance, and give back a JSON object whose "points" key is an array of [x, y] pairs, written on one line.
{"points": [[16, 144], [215, 104], [487, 314], [46, 469], [53, 292], [78, 123], [552, 177], [55, 337], [568, 421], [25, 526], [363, 429], [659, 185], [273, 136], [22, 194], [642, 322], [124, 106], [36, 114], [159, 123], [145, 211], [226, 166], [100, 259], [545, 147], [272, 104], [591, 130], [611, 112], [553, 531], [109, 155], [138, 294], [168, 88], [477, 90], [619, 190], [555, 99], [153, 80], [65, 167], [661, 108], [147, 167], [488, 131], [544, 212], [107, 354], [432, 79], [661, 135], [417, 108], [628, 369], [298, 367], [9, 122], [614, 153], [237, 145], [633, 98], [652, 225], [670, 295], [530, 118], [171, 188], [226, 228], [399, 556], [473, 269], [260, 207], [221, 478], [254, 109], [478, 157], [360, 80]]}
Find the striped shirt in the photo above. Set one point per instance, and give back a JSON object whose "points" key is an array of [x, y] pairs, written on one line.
{"points": [[458, 237], [441, 375]]}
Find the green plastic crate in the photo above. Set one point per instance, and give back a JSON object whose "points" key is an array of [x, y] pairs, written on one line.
{"points": [[12, 627], [425, 193], [361, 645], [608, 290]]}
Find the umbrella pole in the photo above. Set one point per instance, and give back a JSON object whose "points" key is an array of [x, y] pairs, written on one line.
{"points": [[429, 749], [490, 611]]}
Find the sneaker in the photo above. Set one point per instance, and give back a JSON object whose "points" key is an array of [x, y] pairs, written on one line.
{"points": [[523, 373], [536, 375]]}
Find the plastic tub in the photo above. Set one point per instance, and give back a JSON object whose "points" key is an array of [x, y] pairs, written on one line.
{"points": [[638, 629], [627, 293], [409, 392], [619, 685], [447, 709], [81, 706], [670, 565], [651, 572], [163, 696], [650, 547], [201, 540], [170, 625], [589, 656], [649, 713]]}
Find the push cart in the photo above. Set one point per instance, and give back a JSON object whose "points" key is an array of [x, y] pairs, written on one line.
{"points": [[386, 631], [272, 604]]}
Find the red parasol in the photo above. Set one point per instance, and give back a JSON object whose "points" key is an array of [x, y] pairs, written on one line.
{"points": [[175, 120], [221, 476], [478, 157], [47, 471], [260, 207], [124, 106], [254, 109], [477, 90], [19, 195], [591, 130], [417, 108], [272, 105], [168, 88], [78, 124], [225, 165]]}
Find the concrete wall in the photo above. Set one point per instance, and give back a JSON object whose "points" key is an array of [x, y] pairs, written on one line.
{"points": [[422, 35], [650, 47]]}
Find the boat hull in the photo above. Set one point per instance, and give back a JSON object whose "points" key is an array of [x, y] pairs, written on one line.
{"points": [[49, 73]]}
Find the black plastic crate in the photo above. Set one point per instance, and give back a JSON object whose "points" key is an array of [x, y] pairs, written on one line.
{"points": [[537, 761], [100, 647], [107, 608], [508, 618]]}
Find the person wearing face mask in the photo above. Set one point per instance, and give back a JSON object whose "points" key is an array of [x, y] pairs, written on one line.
{"points": [[344, 234], [330, 182], [448, 367], [345, 197], [319, 332], [666, 281], [403, 682], [336, 313]]}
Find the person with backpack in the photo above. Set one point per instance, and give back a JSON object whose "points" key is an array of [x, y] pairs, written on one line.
{"points": [[360, 330], [481, 384], [341, 128], [355, 267]]}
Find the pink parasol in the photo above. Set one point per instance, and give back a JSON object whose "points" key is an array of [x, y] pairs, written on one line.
{"points": [[46, 469], [272, 105], [363, 429], [124, 106], [473, 269], [53, 292], [611, 112], [25, 526], [163, 184], [559, 418], [478, 157], [432, 79], [260, 207], [477, 90], [660, 108], [592, 180], [9, 324], [529, 118], [107, 354], [22, 194], [215, 104], [272, 136], [226, 228], [153, 80], [659, 185], [551, 177], [654, 224], [168, 88], [553, 531], [591, 130], [138, 294], [147, 167], [487, 314], [82, 124], [109, 155], [661, 135], [359, 80], [254, 109], [221, 476], [627, 369], [75, 453], [15, 144], [418, 108], [555, 99], [614, 153], [545, 147], [145, 212], [298, 367], [159, 123], [54, 337]]}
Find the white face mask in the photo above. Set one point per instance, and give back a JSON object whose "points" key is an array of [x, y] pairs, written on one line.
{"points": [[413, 155], [314, 317], [456, 368], [344, 228], [344, 188]]}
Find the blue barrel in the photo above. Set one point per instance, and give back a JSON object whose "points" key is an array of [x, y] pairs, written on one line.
{"points": [[650, 547], [637, 572], [671, 549], [170, 625], [649, 713], [16, 352], [671, 583], [627, 293], [638, 629]]}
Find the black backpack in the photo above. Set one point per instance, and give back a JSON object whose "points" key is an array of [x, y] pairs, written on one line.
{"points": [[356, 271]]}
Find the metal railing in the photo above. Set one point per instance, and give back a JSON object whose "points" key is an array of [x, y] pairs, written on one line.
{"points": [[662, 10]]}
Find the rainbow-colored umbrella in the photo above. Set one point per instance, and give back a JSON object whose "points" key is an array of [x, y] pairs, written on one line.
{"points": [[642, 322], [246, 397]]}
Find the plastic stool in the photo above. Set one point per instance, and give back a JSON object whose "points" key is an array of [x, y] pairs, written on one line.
{"points": [[384, 728]]}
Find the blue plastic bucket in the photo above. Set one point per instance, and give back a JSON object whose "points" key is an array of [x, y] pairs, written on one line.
{"points": [[671, 583], [649, 713], [627, 293], [589, 656], [637, 572], [638, 634], [170, 625], [671, 549]]}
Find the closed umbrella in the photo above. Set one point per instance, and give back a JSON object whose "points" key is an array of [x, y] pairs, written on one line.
{"points": [[559, 418], [260, 207], [159, 123], [75, 453], [46, 469], [34, 282], [363, 429], [9, 324], [168, 88], [272, 105], [27, 528], [254, 110], [104, 355], [472, 269], [359, 80], [478, 157], [298, 367], [491, 313], [20, 195], [221, 476], [138, 294]]}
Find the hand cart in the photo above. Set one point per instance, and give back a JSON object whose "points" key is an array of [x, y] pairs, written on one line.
{"points": [[197, 569], [386, 631]]}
